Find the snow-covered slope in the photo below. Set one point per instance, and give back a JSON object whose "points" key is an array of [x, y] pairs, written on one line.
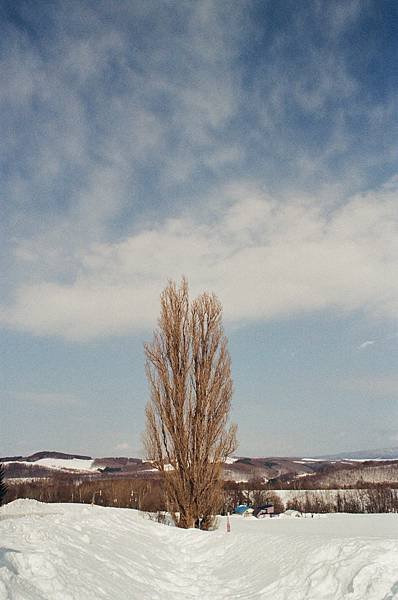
{"points": [[60, 464], [77, 552], [363, 455]]}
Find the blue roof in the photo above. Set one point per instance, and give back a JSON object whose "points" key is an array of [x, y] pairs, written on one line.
{"points": [[241, 509]]}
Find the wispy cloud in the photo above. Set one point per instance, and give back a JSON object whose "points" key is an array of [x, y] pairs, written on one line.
{"points": [[143, 141], [366, 344], [123, 446], [265, 259]]}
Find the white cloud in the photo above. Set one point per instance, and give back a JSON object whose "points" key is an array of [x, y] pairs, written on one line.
{"points": [[108, 128], [366, 344], [123, 446], [264, 258]]}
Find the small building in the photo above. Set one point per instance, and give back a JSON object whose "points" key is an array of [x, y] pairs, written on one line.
{"points": [[109, 469], [264, 510], [241, 509]]}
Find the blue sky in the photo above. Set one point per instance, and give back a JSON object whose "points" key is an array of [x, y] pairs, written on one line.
{"points": [[251, 146]]}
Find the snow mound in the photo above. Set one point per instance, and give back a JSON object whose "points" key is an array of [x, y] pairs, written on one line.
{"points": [[24, 506], [80, 552]]}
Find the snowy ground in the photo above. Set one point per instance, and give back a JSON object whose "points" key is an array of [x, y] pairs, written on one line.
{"points": [[78, 552]]}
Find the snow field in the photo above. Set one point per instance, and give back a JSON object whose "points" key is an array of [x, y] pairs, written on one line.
{"points": [[79, 552]]}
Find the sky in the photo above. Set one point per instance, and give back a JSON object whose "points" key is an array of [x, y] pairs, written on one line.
{"points": [[248, 145]]}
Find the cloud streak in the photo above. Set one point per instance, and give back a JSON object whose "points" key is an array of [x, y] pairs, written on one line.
{"points": [[366, 344]]}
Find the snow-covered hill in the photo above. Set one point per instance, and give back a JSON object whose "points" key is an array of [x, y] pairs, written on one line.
{"points": [[78, 552], [363, 455], [279, 470], [61, 464]]}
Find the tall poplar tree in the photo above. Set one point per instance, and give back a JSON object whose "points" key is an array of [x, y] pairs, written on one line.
{"points": [[187, 433]]}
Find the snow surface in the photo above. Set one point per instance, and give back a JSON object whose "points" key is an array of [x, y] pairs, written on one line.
{"points": [[230, 460], [80, 552], [72, 464], [380, 459]]}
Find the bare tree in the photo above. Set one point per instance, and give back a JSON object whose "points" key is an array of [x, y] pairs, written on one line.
{"points": [[3, 486], [187, 434]]}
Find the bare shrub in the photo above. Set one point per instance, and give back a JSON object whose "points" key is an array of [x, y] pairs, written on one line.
{"points": [[233, 495], [260, 497], [381, 499]]}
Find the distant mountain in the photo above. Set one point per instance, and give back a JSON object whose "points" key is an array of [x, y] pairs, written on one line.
{"points": [[45, 454], [60, 455], [46, 463], [380, 454], [276, 470]]}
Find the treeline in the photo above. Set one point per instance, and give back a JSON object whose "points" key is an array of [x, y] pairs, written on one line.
{"points": [[378, 499], [142, 494], [360, 476], [148, 495]]}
